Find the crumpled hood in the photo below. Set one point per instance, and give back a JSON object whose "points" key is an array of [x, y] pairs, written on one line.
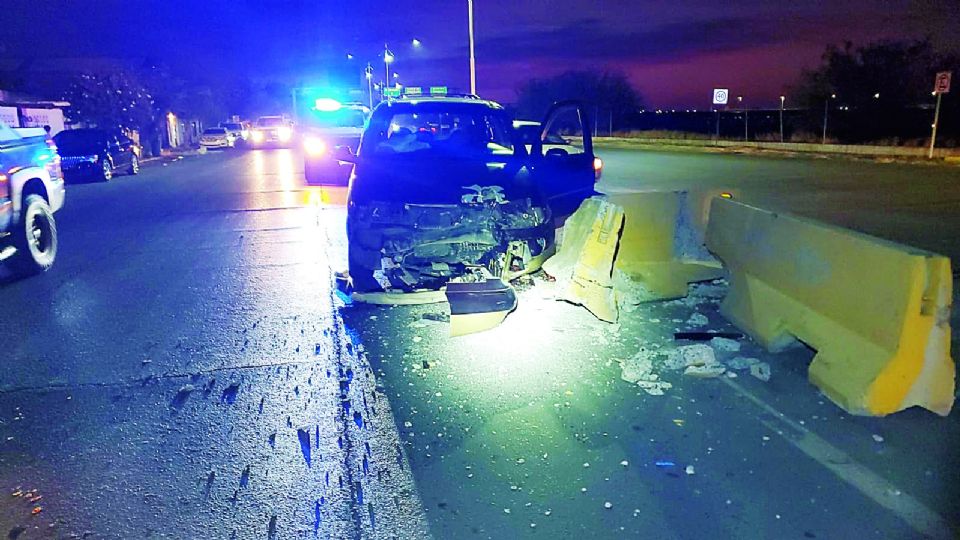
{"points": [[436, 181]]}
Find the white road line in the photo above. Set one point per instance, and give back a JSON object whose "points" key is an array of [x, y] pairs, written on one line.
{"points": [[921, 518]]}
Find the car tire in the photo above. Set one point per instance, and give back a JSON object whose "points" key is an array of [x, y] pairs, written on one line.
{"points": [[35, 238], [134, 165], [362, 278], [106, 169]]}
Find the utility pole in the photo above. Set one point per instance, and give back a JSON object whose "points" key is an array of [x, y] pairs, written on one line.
{"points": [[782, 98], [387, 60], [936, 120], [473, 59], [368, 71], [826, 109]]}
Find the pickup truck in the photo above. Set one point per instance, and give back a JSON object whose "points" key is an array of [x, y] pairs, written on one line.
{"points": [[31, 190]]}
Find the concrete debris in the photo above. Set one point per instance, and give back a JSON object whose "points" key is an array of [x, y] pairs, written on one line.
{"points": [[725, 344], [761, 371], [698, 319], [742, 363], [706, 371], [699, 354], [639, 370]]}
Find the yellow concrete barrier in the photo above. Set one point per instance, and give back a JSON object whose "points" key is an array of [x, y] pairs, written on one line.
{"points": [[876, 312], [621, 249], [584, 264], [662, 245]]}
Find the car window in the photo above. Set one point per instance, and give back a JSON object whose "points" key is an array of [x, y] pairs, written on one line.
{"points": [[270, 121], [7, 134], [564, 134], [215, 131], [455, 133]]}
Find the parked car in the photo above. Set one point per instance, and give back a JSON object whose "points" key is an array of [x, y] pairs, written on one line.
{"points": [[31, 190], [272, 131], [442, 187], [237, 129], [96, 154], [217, 137]]}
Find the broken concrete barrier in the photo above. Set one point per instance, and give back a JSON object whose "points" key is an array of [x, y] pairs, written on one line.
{"points": [[876, 312]]}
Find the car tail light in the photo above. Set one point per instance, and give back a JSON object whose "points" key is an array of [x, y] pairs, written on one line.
{"points": [[597, 168]]}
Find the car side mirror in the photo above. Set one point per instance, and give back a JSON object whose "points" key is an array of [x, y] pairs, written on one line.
{"points": [[344, 153]]}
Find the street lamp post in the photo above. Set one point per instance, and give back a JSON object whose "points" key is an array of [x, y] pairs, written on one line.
{"points": [[746, 119], [782, 98], [473, 59], [826, 109], [368, 72], [936, 120], [387, 60]]}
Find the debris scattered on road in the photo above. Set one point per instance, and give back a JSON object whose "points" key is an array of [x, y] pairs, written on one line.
{"points": [[664, 464], [608, 505], [698, 319], [639, 370], [705, 371], [761, 371], [689, 470], [704, 336], [725, 344], [878, 438], [742, 363]]}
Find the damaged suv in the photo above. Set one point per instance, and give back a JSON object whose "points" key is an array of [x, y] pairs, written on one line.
{"points": [[443, 189]]}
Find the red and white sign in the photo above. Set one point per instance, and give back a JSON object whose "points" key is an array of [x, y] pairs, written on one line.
{"points": [[942, 84]]}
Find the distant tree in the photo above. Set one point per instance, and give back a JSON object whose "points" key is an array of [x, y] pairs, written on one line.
{"points": [[900, 71], [605, 92], [109, 100]]}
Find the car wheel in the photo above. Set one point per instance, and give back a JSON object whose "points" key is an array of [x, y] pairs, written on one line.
{"points": [[134, 165], [106, 169], [362, 278], [35, 238]]}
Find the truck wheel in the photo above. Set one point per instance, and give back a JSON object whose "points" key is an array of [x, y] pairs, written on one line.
{"points": [[134, 165], [35, 238]]}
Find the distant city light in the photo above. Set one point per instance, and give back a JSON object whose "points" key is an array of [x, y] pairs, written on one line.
{"points": [[387, 57], [349, 56], [877, 95], [417, 42]]}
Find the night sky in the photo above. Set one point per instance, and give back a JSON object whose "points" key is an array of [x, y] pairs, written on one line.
{"points": [[674, 52]]}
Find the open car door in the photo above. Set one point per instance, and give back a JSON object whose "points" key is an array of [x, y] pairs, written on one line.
{"points": [[564, 161]]}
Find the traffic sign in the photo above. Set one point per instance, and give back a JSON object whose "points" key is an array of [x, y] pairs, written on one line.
{"points": [[942, 83], [413, 91], [435, 90], [391, 92], [720, 96]]}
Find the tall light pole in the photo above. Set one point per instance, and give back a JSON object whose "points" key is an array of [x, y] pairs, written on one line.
{"points": [[826, 109], [387, 60], [368, 72], [473, 59], [782, 98], [746, 119], [936, 120]]}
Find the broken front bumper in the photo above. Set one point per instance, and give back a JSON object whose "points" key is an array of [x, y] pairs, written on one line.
{"points": [[407, 247]]}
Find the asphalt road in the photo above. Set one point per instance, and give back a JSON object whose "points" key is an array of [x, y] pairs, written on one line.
{"points": [[186, 372]]}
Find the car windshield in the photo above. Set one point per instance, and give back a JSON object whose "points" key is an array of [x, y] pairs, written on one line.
{"points": [[530, 133], [270, 121], [73, 141], [473, 132], [233, 127], [7, 134], [215, 131]]}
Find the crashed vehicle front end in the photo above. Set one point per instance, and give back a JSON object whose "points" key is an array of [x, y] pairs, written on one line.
{"points": [[407, 247]]}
